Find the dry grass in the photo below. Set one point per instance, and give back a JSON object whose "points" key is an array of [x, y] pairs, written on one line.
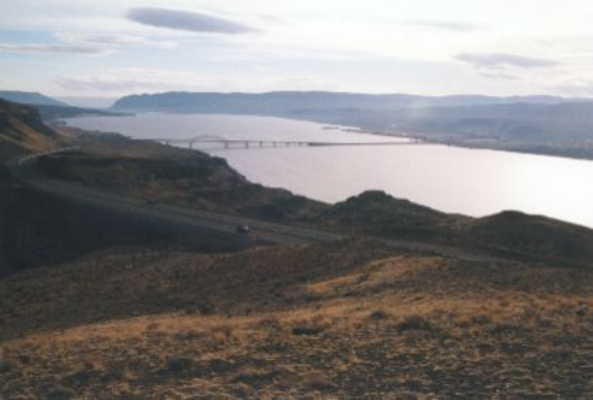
{"points": [[390, 326]]}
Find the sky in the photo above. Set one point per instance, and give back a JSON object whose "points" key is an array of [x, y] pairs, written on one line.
{"points": [[111, 48]]}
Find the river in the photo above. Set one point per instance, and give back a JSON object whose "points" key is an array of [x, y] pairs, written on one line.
{"points": [[451, 179]]}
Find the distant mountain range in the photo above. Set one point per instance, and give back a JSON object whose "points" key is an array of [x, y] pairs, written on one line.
{"points": [[290, 102], [33, 98], [48, 107], [533, 124]]}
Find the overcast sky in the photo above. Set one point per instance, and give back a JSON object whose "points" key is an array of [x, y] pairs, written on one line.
{"points": [[114, 47]]}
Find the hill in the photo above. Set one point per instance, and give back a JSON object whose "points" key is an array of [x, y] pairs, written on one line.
{"points": [[532, 234], [49, 108], [52, 113], [22, 131], [509, 232], [187, 178], [377, 213], [30, 98], [344, 320]]}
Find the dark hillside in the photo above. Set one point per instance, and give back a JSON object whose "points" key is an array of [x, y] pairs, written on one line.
{"points": [[532, 234], [5, 198], [174, 176], [510, 232], [377, 213], [45, 230], [21, 132]]}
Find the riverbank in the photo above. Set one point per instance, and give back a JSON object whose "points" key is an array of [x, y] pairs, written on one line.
{"points": [[453, 179]]}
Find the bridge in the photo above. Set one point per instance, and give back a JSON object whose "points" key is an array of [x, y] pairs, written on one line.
{"points": [[248, 143]]}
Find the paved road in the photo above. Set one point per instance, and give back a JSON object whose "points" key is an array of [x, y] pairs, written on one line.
{"points": [[260, 231]]}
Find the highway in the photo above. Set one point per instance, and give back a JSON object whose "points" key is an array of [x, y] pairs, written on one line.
{"points": [[261, 231]]}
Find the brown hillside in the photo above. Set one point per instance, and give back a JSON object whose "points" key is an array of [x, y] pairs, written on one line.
{"points": [[348, 320], [22, 131]]}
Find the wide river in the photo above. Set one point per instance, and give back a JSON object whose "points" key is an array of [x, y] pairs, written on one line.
{"points": [[451, 179]]}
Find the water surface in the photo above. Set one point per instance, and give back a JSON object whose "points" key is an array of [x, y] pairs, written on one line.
{"points": [[451, 179]]}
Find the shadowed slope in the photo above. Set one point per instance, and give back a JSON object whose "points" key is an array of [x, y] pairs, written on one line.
{"points": [[545, 239]]}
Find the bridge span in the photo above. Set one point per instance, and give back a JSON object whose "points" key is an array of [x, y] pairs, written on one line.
{"points": [[248, 143]]}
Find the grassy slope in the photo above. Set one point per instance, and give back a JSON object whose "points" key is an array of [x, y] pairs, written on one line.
{"points": [[352, 319], [22, 132]]}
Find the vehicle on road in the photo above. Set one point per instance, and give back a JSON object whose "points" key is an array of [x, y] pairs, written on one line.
{"points": [[242, 229]]}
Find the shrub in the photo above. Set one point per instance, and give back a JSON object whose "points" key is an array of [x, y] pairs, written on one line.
{"points": [[307, 331], [379, 315], [415, 322]]}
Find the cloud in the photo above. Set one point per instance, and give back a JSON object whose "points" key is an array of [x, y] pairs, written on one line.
{"points": [[185, 21], [125, 80], [445, 25], [119, 81], [50, 48], [499, 76], [106, 84], [496, 61], [575, 88], [113, 40]]}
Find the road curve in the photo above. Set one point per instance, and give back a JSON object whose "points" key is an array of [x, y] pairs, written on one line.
{"points": [[261, 231]]}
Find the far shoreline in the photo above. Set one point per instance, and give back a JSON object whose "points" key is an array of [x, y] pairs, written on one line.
{"points": [[336, 126]]}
